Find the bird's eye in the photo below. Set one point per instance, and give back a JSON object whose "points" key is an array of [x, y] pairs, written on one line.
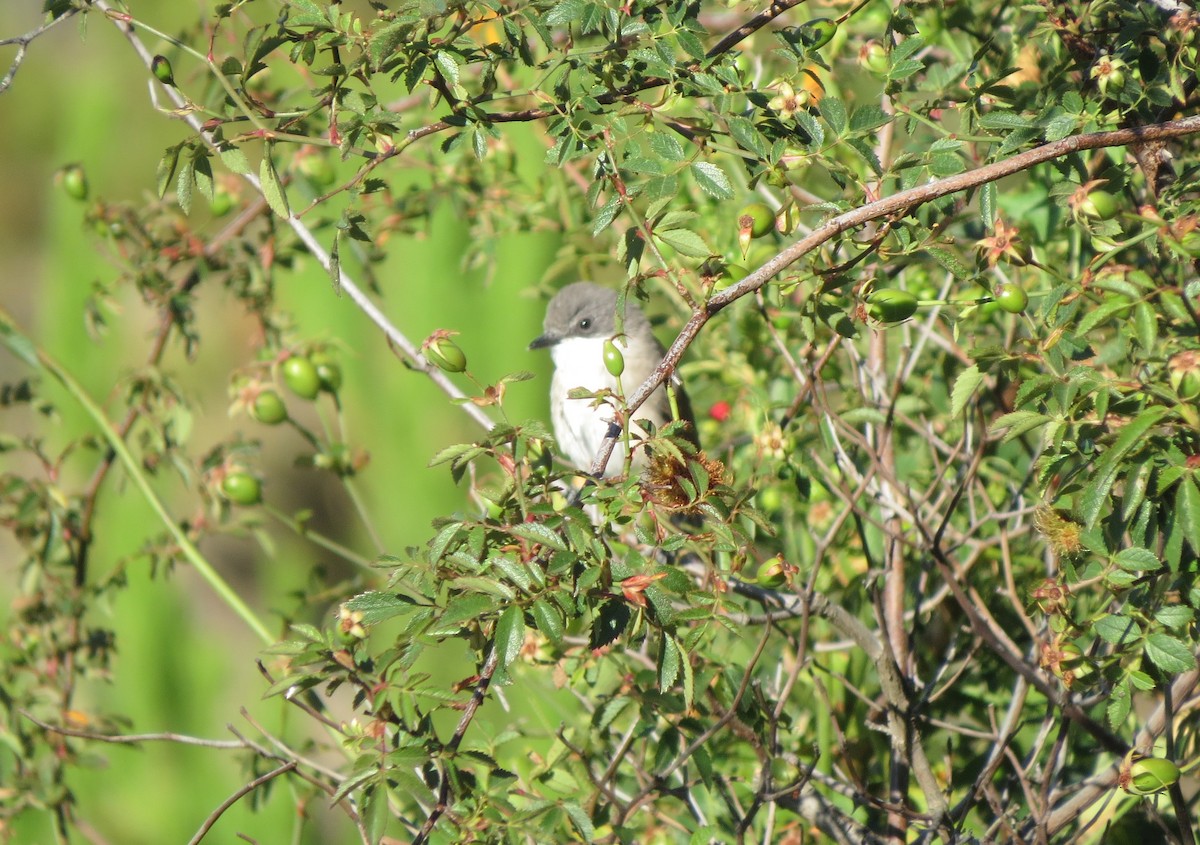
{"points": [[585, 324]]}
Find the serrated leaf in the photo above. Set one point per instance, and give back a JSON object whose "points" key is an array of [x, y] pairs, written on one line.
{"points": [[1116, 629], [377, 606], [580, 819], [565, 12], [272, 189], [950, 262], [1175, 616], [166, 170], [1137, 560], [510, 635], [712, 180], [667, 146], [452, 453], [1018, 423], [834, 112], [668, 663], [184, 183], [606, 214], [987, 204], [447, 67], [538, 533], [1118, 705], [548, 619], [747, 135], [1187, 509], [964, 386], [1096, 492], [685, 242], [1004, 120], [1168, 653], [1145, 325], [204, 177]]}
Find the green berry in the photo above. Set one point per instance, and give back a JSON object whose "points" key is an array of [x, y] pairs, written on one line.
{"points": [[1011, 298], [772, 574], [241, 488], [891, 305], [874, 57], [817, 33], [1150, 775], [160, 66], [268, 408], [328, 371], [1099, 205], [445, 354], [301, 377], [614, 361], [757, 219], [74, 181]]}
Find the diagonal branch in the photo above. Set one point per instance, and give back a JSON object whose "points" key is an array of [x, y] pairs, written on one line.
{"points": [[899, 203], [23, 42], [398, 339]]}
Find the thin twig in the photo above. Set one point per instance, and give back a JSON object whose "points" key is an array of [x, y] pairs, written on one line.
{"points": [[237, 796], [23, 42]]}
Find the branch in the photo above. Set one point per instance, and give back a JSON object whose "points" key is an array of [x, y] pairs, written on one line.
{"points": [[902, 202], [23, 42], [397, 338], [443, 802], [237, 796]]}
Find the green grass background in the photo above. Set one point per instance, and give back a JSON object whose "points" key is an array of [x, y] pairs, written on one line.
{"points": [[184, 663]]}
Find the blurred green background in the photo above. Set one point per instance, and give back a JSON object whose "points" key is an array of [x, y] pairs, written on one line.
{"points": [[184, 662]]}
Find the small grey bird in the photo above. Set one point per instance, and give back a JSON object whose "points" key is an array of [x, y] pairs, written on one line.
{"points": [[579, 319]]}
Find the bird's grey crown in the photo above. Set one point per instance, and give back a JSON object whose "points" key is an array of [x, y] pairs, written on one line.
{"points": [[585, 309]]}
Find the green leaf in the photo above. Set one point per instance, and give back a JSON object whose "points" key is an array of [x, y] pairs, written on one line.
{"points": [[1117, 630], [665, 145], [834, 112], [271, 188], [987, 204], [1187, 509], [950, 262], [538, 533], [510, 635], [184, 183], [566, 12], [1137, 560], [712, 180], [580, 819], [377, 606], [548, 619], [1119, 701], [1168, 653], [686, 242], [1096, 492], [606, 214], [1018, 423], [1004, 120], [166, 169], [447, 67], [668, 663], [964, 387], [1175, 616]]}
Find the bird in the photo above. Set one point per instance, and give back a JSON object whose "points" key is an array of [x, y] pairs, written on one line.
{"points": [[580, 318]]}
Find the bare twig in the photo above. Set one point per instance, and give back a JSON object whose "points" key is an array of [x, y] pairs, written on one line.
{"points": [[23, 42], [237, 796]]}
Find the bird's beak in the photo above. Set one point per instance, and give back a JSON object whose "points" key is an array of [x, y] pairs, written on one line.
{"points": [[543, 341]]}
